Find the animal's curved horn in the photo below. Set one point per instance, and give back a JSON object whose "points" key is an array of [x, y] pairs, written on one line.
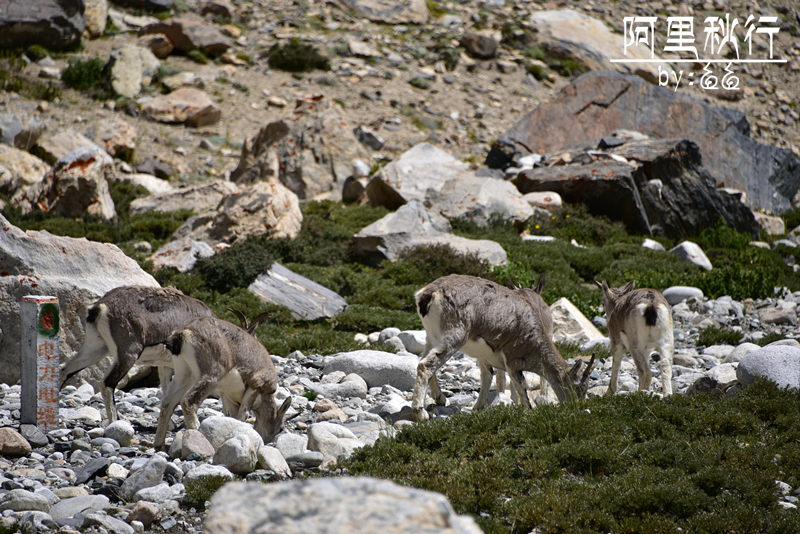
{"points": [[239, 315], [260, 318], [588, 370]]}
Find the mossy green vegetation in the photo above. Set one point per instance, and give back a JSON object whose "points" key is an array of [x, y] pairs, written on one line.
{"points": [[199, 491], [383, 295], [83, 74], [714, 335], [14, 78], [625, 464], [296, 56]]}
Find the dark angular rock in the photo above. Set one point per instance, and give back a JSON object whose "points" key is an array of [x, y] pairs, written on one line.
{"points": [[598, 103], [34, 435], [156, 168], [666, 191], [687, 200], [606, 187], [190, 32], [610, 142], [480, 45], [58, 24], [93, 468]]}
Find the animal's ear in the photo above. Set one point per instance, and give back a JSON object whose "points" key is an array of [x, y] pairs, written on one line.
{"points": [[539, 285], [510, 285], [285, 408], [603, 286], [627, 287]]}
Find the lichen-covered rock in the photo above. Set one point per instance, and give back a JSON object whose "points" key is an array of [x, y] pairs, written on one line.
{"points": [[187, 105], [311, 154], [348, 504], [261, 209], [76, 186], [19, 169]]}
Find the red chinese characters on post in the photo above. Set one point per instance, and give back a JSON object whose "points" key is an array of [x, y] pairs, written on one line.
{"points": [[47, 398]]}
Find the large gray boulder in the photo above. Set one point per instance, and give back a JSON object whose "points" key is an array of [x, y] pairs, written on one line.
{"points": [[131, 67], [264, 208], [777, 363], [79, 505], [414, 175], [20, 131], [52, 146], [570, 34], [307, 299], [412, 225], [332, 440], [477, 199], [180, 255], [219, 429], [77, 271], [195, 197], [312, 154], [149, 475], [377, 368], [238, 454], [351, 505], [598, 103], [57, 23]]}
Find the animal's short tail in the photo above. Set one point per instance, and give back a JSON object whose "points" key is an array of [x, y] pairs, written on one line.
{"points": [[650, 315], [93, 315], [175, 343], [423, 302]]}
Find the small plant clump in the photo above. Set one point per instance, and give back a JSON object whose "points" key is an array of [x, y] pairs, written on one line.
{"points": [[296, 56], [83, 74], [771, 337], [200, 491], [714, 335], [237, 266]]}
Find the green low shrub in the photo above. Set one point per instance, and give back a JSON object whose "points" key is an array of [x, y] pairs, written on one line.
{"points": [[424, 264], [626, 464], [83, 74], [365, 319], [722, 236], [296, 56], [771, 337], [236, 266], [791, 219], [200, 491], [714, 335]]}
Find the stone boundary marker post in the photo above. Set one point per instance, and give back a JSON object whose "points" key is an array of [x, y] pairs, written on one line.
{"points": [[39, 322]]}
